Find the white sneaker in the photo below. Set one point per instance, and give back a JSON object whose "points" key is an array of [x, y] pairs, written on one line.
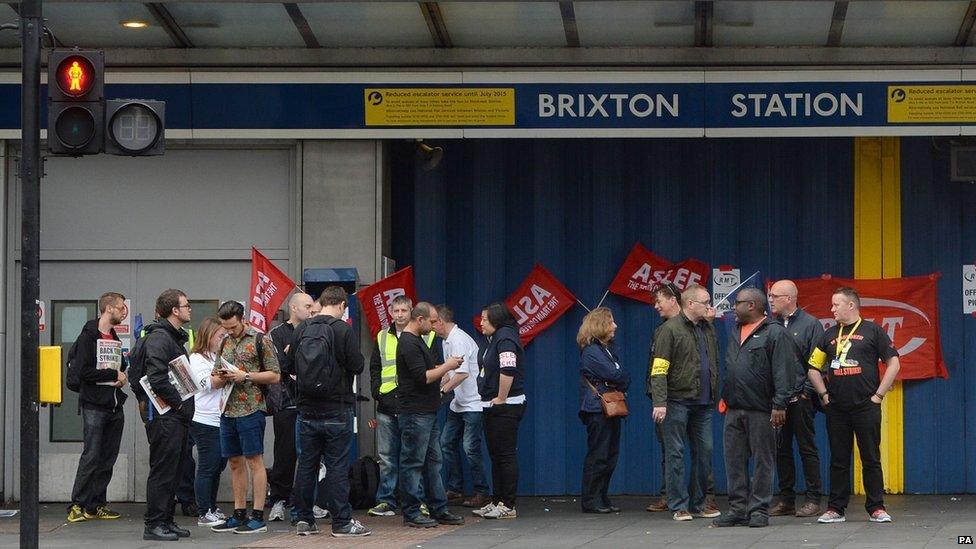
{"points": [[218, 513], [831, 517], [209, 519], [500, 512], [880, 515], [277, 511], [484, 510], [319, 513], [354, 529]]}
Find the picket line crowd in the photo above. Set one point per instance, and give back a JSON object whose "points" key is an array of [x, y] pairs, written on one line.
{"points": [[779, 369]]}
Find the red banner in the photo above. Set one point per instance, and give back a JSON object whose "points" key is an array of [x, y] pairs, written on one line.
{"points": [[537, 303], [269, 288], [905, 308], [377, 298], [643, 271]]}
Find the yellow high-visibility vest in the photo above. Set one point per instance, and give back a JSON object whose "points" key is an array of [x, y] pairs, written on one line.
{"points": [[387, 344]]}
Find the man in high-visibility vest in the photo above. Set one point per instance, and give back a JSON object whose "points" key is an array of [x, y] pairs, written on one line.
{"points": [[383, 385]]}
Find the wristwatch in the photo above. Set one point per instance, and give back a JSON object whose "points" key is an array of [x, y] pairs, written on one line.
{"points": [[247, 377]]}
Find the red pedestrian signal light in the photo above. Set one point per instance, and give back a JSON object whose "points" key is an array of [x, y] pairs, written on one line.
{"points": [[76, 75]]}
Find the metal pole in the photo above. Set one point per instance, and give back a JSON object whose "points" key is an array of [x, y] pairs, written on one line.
{"points": [[32, 29]]}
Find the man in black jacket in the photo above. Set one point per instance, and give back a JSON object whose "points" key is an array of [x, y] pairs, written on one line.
{"points": [[762, 367], [167, 432], [101, 372], [325, 416]]}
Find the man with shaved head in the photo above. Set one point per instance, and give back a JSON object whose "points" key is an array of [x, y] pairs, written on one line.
{"points": [[759, 365], [806, 332], [283, 473]]}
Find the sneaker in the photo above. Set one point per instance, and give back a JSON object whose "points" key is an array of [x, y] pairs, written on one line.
{"points": [[420, 521], [880, 515], [382, 510], [303, 528], [252, 526], [319, 513], [424, 510], [219, 514], [758, 521], [489, 507], [277, 511], [454, 498], [177, 529], [658, 506], [782, 509], [707, 512], [500, 512], [227, 525], [477, 501], [831, 516], [808, 509], [449, 518], [103, 513], [354, 529], [730, 520], [209, 519], [681, 516], [76, 514]]}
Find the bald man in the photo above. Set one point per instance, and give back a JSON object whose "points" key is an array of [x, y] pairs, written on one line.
{"points": [[806, 331], [283, 473]]}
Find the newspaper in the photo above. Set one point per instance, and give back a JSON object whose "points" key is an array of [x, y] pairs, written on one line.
{"points": [[229, 386], [157, 402], [108, 355], [180, 376]]}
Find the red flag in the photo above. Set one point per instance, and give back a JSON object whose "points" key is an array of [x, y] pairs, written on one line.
{"points": [[269, 288], [643, 271], [537, 303], [377, 298], [905, 308]]}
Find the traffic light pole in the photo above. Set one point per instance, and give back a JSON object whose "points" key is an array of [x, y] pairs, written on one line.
{"points": [[32, 29]]}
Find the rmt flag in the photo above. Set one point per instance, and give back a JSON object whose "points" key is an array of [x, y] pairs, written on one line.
{"points": [[377, 298], [269, 288], [643, 271]]}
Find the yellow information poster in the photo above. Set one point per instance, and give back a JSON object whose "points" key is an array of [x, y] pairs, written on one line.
{"points": [[440, 107], [952, 103]]}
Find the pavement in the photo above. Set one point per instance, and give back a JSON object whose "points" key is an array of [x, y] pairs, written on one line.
{"points": [[554, 522]]}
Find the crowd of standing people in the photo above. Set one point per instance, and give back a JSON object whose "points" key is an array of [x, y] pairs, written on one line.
{"points": [[781, 366]]}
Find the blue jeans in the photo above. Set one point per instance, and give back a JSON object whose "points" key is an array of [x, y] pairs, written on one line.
{"points": [[468, 426], [695, 422], [210, 465], [388, 449], [325, 438], [420, 457]]}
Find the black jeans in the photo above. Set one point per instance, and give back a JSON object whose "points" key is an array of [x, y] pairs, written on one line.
{"points": [[167, 444], [501, 431], [863, 421], [748, 433], [102, 436], [185, 490], [799, 425], [285, 456], [602, 449], [325, 438]]}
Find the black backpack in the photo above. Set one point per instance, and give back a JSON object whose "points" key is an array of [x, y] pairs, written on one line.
{"points": [[317, 372], [72, 378], [137, 368], [364, 480]]}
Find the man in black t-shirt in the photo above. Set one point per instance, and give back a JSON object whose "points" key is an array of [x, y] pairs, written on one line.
{"points": [[418, 390], [849, 354]]}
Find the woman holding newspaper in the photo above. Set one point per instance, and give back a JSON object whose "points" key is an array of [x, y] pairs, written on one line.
{"points": [[205, 428]]}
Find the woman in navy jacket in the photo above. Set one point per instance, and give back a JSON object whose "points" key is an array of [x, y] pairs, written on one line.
{"points": [[599, 367]]}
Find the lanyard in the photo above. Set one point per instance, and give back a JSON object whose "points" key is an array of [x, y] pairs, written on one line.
{"points": [[841, 341]]}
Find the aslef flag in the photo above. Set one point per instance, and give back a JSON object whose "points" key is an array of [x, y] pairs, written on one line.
{"points": [[537, 304], [905, 308], [643, 271], [377, 298], [269, 289]]}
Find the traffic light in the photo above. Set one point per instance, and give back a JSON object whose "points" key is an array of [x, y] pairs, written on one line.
{"points": [[134, 127], [76, 102]]}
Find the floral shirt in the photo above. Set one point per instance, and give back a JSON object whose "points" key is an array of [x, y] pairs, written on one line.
{"points": [[246, 397]]}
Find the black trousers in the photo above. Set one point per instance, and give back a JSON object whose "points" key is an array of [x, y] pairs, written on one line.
{"points": [[799, 425], [102, 436], [282, 475], [501, 431], [602, 449], [843, 424], [167, 444]]}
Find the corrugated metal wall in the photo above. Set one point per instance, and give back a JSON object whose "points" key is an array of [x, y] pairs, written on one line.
{"points": [[473, 228], [939, 234]]}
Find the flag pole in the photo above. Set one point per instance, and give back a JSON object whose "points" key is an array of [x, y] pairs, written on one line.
{"points": [[581, 304], [602, 298]]}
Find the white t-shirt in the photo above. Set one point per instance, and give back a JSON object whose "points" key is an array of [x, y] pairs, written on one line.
{"points": [[466, 397], [207, 401]]}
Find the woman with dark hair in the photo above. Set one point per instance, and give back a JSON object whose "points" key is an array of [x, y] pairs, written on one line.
{"points": [[501, 384], [600, 371]]}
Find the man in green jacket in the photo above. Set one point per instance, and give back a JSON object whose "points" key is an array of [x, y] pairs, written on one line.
{"points": [[684, 376]]}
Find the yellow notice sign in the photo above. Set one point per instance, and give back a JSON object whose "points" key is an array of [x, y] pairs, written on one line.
{"points": [[440, 106], [934, 104]]}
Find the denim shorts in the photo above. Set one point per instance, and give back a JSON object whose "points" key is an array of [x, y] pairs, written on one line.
{"points": [[242, 436]]}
